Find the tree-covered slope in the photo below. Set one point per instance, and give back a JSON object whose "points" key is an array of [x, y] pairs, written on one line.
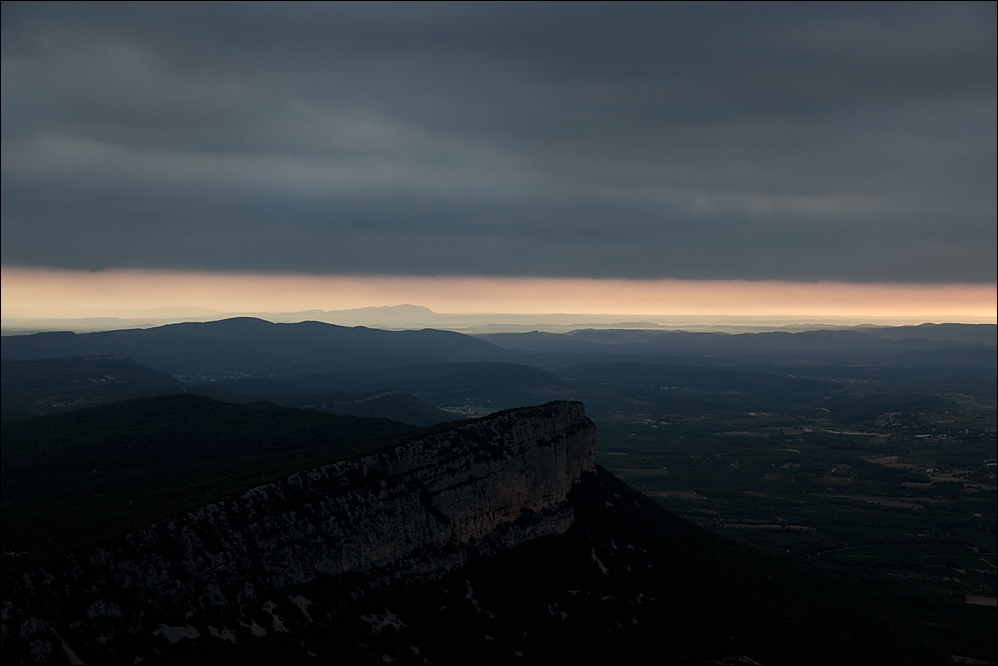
{"points": [[49, 386], [72, 480]]}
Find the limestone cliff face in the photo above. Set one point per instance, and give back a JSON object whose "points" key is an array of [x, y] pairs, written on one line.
{"points": [[416, 511]]}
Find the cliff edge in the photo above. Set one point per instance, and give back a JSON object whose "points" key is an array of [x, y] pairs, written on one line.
{"points": [[411, 513]]}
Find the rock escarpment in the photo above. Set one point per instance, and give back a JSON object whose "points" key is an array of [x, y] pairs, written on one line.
{"points": [[411, 513]]}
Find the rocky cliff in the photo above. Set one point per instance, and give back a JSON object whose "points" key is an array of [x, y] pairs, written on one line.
{"points": [[407, 514]]}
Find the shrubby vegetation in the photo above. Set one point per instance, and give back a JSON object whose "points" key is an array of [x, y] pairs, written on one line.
{"points": [[73, 480]]}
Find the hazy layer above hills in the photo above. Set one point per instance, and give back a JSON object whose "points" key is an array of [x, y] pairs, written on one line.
{"points": [[401, 317]]}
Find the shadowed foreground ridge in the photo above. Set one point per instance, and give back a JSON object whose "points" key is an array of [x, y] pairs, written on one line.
{"points": [[411, 513], [496, 541]]}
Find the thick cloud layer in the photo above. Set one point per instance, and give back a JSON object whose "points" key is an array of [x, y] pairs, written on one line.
{"points": [[688, 141]]}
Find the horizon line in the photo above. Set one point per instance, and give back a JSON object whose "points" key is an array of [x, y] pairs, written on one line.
{"points": [[32, 292]]}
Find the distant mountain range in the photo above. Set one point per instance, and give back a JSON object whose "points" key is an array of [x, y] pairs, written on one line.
{"points": [[241, 351], [410, 317], [246, 347]]}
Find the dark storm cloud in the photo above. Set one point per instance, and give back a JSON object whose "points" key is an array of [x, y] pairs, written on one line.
{"points": [[851, 142]]}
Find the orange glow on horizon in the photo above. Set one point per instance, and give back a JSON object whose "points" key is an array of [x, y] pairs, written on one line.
{"points": [[34, 292]]}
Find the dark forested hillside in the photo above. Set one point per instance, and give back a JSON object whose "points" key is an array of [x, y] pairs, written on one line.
{"points": [[47, 386], [394, 404], [445, 384], [71, 480]]}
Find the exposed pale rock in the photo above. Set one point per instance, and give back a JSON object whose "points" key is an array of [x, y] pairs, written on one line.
{"points": [[174, 634], [223, 633], [302, 603]]}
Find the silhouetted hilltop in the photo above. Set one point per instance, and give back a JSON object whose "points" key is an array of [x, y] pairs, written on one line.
{"points": [[253, 347], [890, 358]]}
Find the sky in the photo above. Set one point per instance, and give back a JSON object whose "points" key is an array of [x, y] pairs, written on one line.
{"points": [[33, 293], [627, 144]]}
